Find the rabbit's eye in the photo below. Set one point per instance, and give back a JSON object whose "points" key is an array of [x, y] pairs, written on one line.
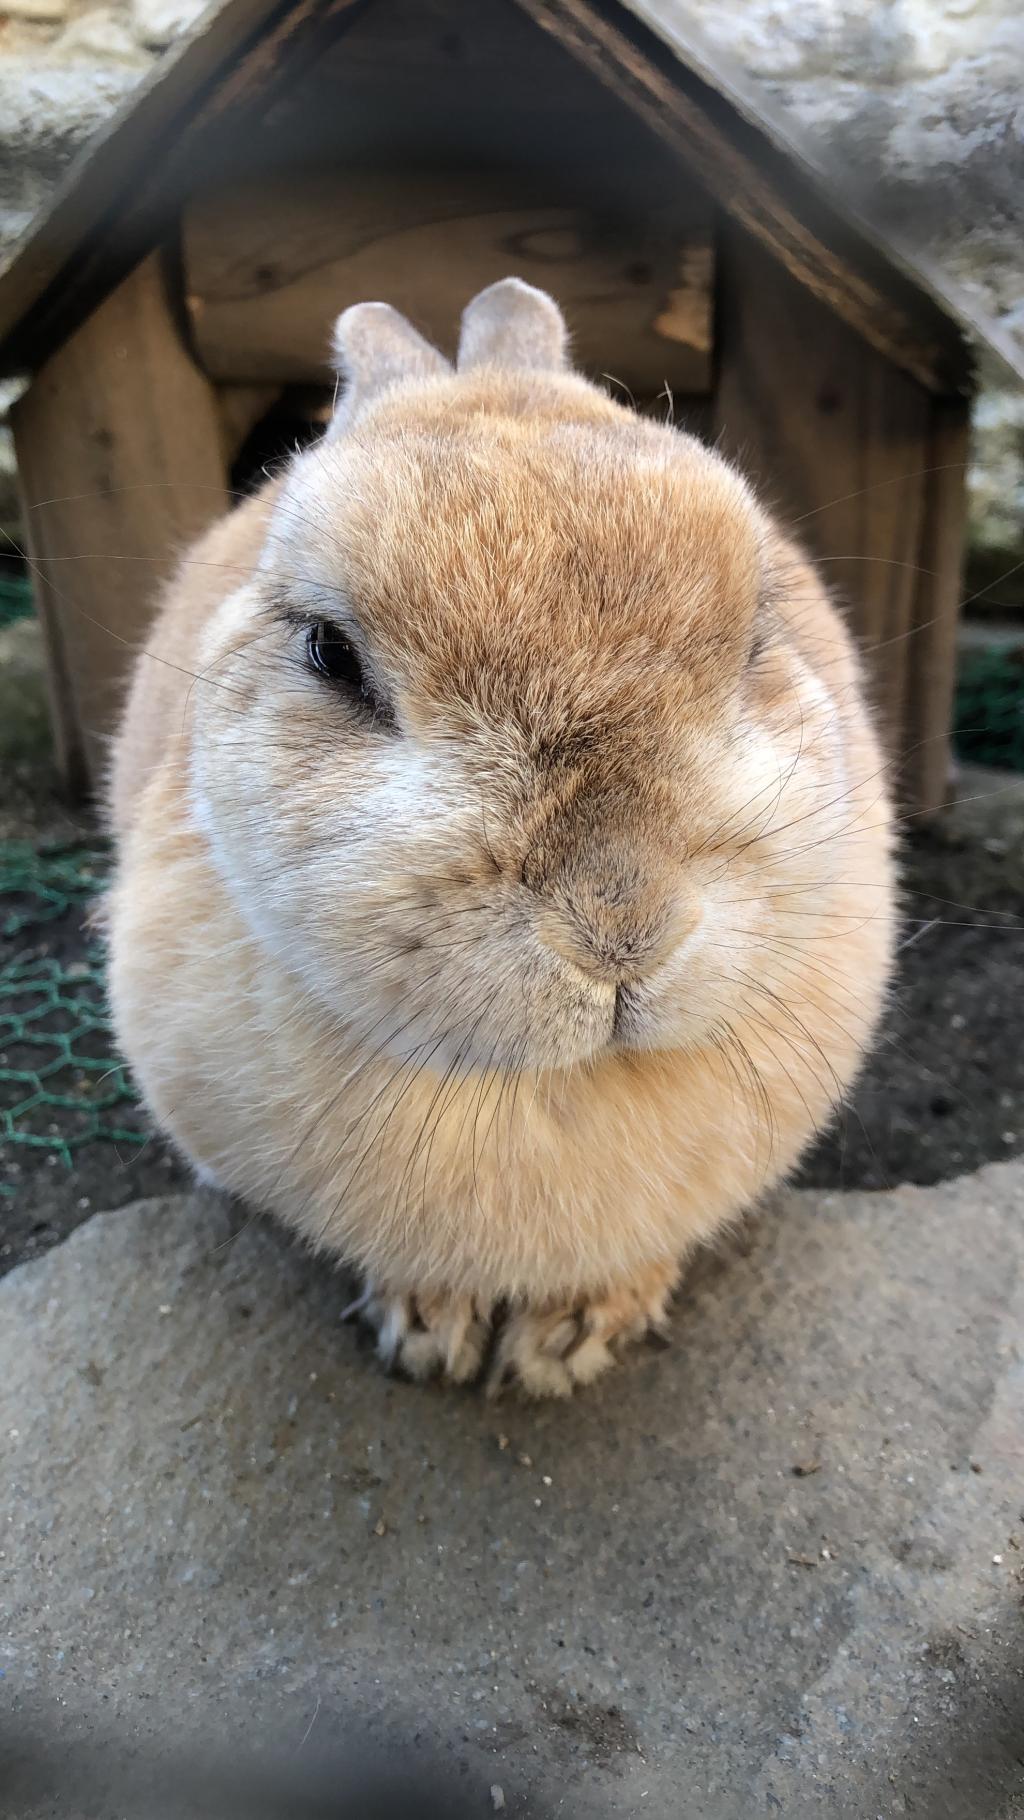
{"points": [[330, 652], [334, 656]]}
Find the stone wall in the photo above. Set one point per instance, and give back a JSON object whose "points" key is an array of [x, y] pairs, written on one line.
{"points": [[64, 66], [918, 105]]}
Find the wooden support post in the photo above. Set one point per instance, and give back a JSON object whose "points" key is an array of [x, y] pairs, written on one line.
{"points": [[119, 449], [931, 672], [839, 443]]}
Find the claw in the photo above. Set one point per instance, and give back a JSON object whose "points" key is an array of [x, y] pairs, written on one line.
{"points": [[423, 1337], [581, 1332], [361, 1303], [547, 1353], [391, 1331]]}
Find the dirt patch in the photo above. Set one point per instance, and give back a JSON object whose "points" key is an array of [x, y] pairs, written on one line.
{"points": [[943, 1092], [599, 1733]]}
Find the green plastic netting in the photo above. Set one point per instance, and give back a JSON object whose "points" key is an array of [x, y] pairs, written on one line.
{"points": [[39, 884], [989, 713], [15, 597], [61, 1083]]}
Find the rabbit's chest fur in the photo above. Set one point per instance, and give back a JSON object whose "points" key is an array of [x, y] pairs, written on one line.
{"points": [[529, 1187]]}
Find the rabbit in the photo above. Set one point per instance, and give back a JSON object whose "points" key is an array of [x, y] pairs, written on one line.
{"points": [[505, 881]]}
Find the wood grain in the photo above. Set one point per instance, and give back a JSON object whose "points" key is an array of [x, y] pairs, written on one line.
{"points": [[120, 460], [838, 444], [267, 271]]}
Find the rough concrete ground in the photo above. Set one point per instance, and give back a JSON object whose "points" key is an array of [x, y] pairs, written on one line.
{"points": [[777, 1569]]}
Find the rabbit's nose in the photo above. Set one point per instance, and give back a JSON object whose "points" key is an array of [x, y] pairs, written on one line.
{"points": [[617, 931]]}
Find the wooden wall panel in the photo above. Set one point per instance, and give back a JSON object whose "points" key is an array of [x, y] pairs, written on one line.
{"points": [[120, 460], [267, 272], [931, 672], [838, 442]]}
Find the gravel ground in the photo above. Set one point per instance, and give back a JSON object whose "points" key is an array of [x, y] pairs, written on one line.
{"points": [[943, 1093]]}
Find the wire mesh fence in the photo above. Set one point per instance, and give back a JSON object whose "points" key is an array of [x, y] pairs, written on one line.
{"points": [[62, 1084]]}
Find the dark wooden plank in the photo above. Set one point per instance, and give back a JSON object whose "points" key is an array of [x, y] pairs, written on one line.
{"points": [[119, 454], [764, 187], [268, 269], [931, 672], [837, 443], [470, 84]]}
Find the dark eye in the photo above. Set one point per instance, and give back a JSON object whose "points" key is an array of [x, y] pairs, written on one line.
{"points": [[330, 652], [333, 655]]}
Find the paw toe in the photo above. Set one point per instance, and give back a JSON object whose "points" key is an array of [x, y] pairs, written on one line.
{"points": [[427, 1338]]}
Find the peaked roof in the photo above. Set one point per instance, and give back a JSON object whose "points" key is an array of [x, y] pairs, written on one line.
{"points": [[125, 188]]}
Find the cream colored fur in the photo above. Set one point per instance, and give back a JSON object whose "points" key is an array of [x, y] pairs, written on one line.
{"points": [[366, 973]]}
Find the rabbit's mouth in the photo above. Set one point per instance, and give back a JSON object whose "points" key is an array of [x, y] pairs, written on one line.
{"points": [[543, 1016], [528, 1037]]}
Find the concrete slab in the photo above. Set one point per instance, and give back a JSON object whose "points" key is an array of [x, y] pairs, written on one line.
{"points": [[777, 1569]]}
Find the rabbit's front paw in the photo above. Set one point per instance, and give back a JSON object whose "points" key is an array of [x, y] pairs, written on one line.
{"points": [[548, 1352], [427, 1336]]}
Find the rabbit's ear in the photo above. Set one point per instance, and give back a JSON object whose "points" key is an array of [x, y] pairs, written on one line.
{"points": [[515, 326], [376, 348]]}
